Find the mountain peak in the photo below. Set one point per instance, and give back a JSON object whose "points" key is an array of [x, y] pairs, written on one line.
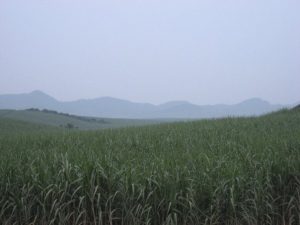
{"points": [[37, 92], [41, 95], [255, 101]]}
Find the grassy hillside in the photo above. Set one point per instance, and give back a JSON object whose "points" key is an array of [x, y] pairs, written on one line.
{"points": [[227, 171], [52, 118], [13, 127]]}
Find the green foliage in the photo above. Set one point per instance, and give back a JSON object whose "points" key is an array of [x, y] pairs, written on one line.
{"points": [[226, 171]]}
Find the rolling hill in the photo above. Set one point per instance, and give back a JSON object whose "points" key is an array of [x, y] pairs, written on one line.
{"points": [[62, 120], [12, 127]]}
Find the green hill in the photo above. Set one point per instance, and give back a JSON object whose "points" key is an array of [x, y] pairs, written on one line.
{"points": [[62, 120], [225, 171], [12, 126]]}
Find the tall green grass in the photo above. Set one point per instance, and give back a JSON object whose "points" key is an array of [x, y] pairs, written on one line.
{"points": [[226, 171]]}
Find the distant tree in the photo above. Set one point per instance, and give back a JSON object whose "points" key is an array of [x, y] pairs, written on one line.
{"points": [[33, 109], [70, 126], [49, 111], [297, 107]]}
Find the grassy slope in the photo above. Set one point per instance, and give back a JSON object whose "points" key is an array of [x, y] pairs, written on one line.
{"points": [[12, 127], [82, 123], [234, 171]]}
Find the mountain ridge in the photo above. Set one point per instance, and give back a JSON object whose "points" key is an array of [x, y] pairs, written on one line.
{"points": [[119, 108]]}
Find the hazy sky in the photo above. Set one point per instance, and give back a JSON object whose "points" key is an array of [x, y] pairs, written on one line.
{"points": [[206, 52]]}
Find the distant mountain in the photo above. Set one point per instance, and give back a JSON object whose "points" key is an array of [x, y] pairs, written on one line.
{"points": [[35, 99], [118, 108]]}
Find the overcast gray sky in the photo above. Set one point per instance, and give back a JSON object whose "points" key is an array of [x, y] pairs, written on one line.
{"points": [[206, 52]]}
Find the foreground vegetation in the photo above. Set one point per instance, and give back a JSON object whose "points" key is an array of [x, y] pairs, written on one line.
{"points": [[227, 171]]}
